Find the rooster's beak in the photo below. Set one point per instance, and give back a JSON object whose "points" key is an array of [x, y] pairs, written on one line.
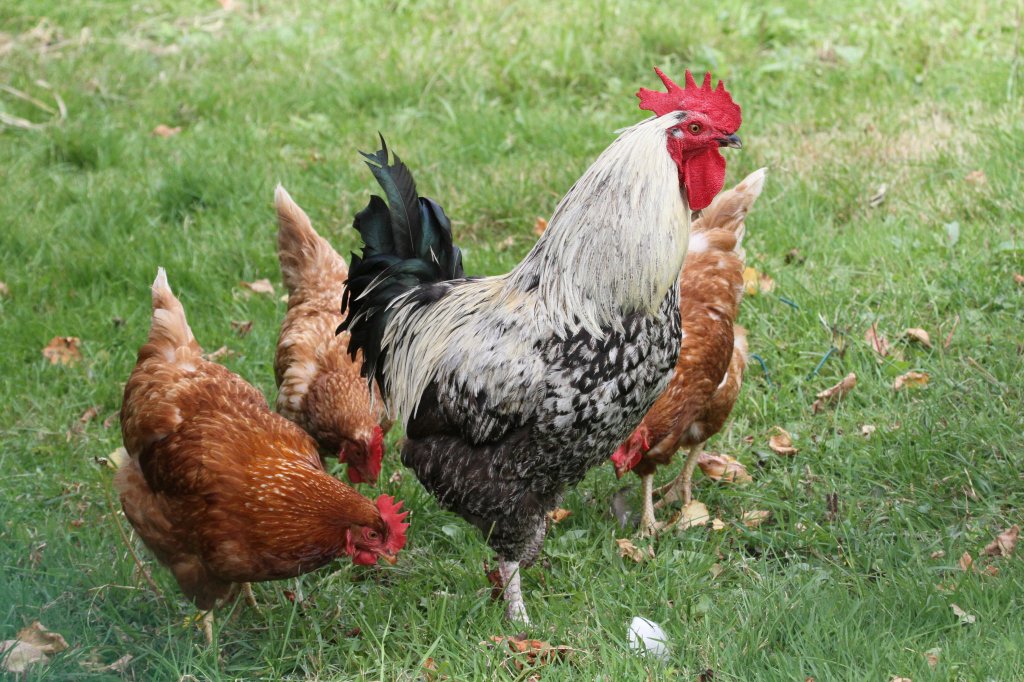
{"points": [[733, 141], [390, 558]]}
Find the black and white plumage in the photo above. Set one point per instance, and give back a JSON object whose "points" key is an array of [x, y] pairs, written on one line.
{"points": [[511, 388]]}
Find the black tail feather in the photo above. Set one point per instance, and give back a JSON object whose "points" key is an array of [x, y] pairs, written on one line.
{"points": [[406, 242]]}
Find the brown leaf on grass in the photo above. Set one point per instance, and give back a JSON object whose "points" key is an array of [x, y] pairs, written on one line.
{"points": [[966, 562], [977, 178], [992, 571], [877, 341], [867, 429], [1018, 278], [89, 415], [754, 518], [932, 657], [755, 282], [539, 226], [835, 393], [166, 131], [919, 335], [216, 355], [112, 419], [910, 380], [33, 644], [559, 515], [528, 652], [4, 291], [937, 554], [63, 350], [627, 550], [782, 443], [897, 678], [723, 468], [93, 664], [964, 617], [717, 524], [693, 515], [1004, 543], [241, 327], [260, 286]]}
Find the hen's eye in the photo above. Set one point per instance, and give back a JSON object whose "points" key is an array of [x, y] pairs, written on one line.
{"points": [[372, 535], [694, 128]]}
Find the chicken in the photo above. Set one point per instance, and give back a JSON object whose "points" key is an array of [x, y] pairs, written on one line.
{"points": [[222, 490], [712, 355], [512, 387], [319, 387]]}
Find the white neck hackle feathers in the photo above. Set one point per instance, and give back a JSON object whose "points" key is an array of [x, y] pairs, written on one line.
{"points": [[614, 246]]}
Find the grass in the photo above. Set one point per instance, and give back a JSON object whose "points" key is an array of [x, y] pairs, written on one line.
{"points": [[498, 109]]}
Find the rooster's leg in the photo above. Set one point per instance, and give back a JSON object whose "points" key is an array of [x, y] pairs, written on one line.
{"points": [[681, 487], [208, 627], [515, 607], [648, 523]]}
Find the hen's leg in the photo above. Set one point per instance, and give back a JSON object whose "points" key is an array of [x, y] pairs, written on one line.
{"points": [[515, 607], [648, 523], [250, 598], [681, 487], [208, 627]]}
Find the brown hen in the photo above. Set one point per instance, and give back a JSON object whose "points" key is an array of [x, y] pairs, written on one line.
{"points": [[712, 356], [222, 490], [320, 388]]}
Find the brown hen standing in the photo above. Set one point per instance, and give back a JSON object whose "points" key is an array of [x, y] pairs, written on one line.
{"points": [[712, 355], [223, 491], [320, 388]]}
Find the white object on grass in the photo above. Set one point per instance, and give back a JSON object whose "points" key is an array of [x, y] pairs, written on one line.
{"points": [[647, 637]]}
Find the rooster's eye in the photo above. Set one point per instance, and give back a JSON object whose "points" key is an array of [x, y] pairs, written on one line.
{"points": [[694, 128]]}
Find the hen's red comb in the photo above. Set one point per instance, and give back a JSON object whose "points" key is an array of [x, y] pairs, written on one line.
{"points": [[717, 103], [394, 521]]}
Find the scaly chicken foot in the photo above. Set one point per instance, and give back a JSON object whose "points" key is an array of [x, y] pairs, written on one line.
{"points": [[208, 627], [515, 607], [680, 489], [250, 598], [648, 521]]}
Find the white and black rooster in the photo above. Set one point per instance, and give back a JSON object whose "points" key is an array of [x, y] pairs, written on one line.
{"points": [[512, 387]]}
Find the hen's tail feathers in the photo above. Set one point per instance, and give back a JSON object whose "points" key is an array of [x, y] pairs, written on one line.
{"points": [[406, 242], [169, 329], [729, 209], [305, 256]]}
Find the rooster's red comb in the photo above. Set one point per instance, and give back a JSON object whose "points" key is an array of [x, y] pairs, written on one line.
{"points": [[395, 521], [717, 103]]}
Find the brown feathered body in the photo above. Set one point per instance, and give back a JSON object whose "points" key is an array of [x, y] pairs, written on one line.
{"points": [[319, 384], [712, 356], [221, 489]]}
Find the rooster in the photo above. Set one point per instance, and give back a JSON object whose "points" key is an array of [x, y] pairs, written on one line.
{"points": [[511, 387], [712, 355], [223, 491], [319, 387]]}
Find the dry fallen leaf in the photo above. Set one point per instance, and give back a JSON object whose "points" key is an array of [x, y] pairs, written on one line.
{"points": [[1004, 543], [63, 350], [221, 352], [897, 678], [241, 327], [34, 644], [877, 341], [782, 443], [723, 468], [529, 652], [867, 429], [693, 515], [964, 617], [835, 393], [1018, 278], [977, 177], [937, 554], [966, 561], [717, 524], [627, 550], [932, 656], [919, 335], [93, 664], [910, 380], [754, 518], [4, 291], [559, 515], [166, 131], [260, 286], [539, 226], [755, 282]]}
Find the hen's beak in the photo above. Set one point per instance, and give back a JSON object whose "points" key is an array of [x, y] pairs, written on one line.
{"points": [[390, 558], [733, 141]]}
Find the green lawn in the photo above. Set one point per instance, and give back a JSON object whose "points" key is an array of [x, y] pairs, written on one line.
{"points": [[498, 109]]}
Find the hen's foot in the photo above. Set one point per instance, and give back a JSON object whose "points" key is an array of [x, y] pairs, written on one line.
{"points": [[648, 522], [515, 607]]}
